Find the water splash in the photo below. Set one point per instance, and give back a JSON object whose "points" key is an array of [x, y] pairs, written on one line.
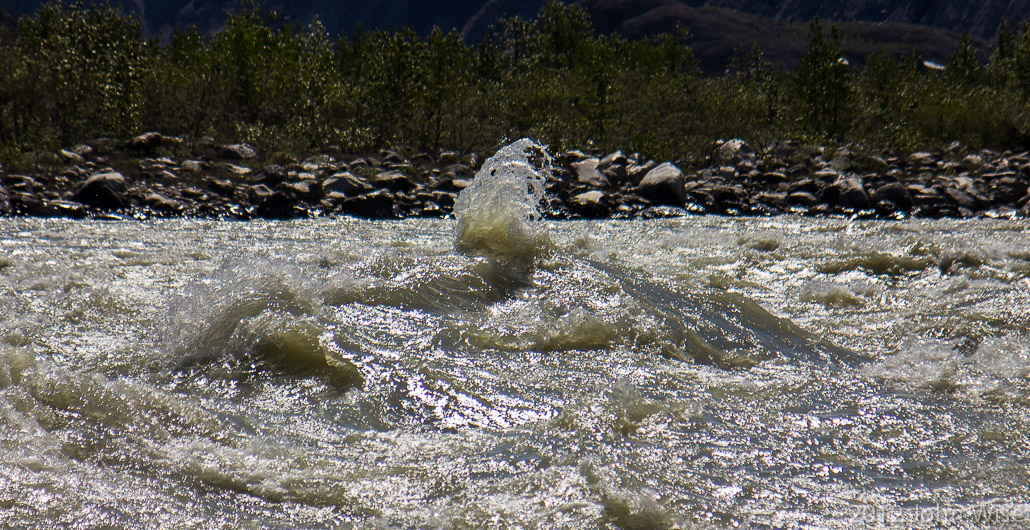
{"points": [[498, 213]]}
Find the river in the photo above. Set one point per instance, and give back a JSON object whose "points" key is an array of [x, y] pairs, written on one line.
{"points": [[498, 371]]}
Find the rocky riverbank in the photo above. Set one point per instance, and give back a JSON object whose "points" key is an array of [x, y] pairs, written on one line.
{"points": [[142, 178]]}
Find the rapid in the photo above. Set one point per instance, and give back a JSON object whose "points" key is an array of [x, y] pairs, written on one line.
{"points": [[497, 370]]}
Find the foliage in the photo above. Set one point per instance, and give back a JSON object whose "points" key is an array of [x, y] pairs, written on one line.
{"points": [[74, 73]]}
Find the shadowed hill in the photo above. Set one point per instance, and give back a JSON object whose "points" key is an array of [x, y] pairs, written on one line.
{"points": [[717, 32]]}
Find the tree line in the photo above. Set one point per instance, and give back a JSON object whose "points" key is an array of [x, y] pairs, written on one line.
{"points": [[73, 73]]}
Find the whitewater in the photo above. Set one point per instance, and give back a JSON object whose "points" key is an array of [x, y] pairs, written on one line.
{"points": [[497, 370]]}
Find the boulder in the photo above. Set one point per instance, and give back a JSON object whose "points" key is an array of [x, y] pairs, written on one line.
{"points": [[734, 152], [221, 187], [103, 191], [345, 183], [590, 204], [270, 176], [664, 185], [145, 143], [896, 193], [258, 193], [71, 157], [962, 199], [56, 208], [587, 173], [306, 190], [922, 159], [802, 198], [846, 192], [162, 204], [238, 152], [378, 204], [278, 205], [391, 180]]}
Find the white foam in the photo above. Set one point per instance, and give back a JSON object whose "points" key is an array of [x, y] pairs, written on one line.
{"points": [[498, 213]]}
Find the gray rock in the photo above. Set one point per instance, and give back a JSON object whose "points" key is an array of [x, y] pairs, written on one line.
{"points": [[896, 193], [221, 187], [615, 158], [57, 208], [922, 159], [962, 199], [846, 192], [162, 204], [238, 152], [278, 205], [258, 193], [307, 190], [71, 157], [103, 191], [271, 176], [636, 172], [193, 166], [802, 198], [146, 142], [664, 185], [392, 180], [378, 204], [587, 173], [590, 204], [734, 151]]}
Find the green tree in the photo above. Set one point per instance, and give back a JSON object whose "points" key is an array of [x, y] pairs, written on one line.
{"points": [[964, 69], [822, 84]]}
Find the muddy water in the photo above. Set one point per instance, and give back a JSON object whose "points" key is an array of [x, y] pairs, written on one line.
{"points": [[499, 372]]}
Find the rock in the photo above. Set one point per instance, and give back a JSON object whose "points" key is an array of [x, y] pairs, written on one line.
{"points": [[616, 158], [847, 193], [802, 198], [447, 158], [57, 208], [238, 152], [71, 157], [345, 183], [391, 180], [145, 143], [664, 185], [103, 191], [306, 190], [1008, 189], [278, 205], [973, 162], [807, 185], [590, 204], [896, 193], [771, 178], [734, 151], [575, 156], [271, 176], [922, 159], [378, 204], [962, 199], [258, 193], [221, 187], [162, 204], [193, 166], [636, 172], [587, 173]]}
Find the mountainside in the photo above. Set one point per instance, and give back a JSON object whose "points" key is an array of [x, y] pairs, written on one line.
{"points": [[473, 16], [980, 19], [718, 26]]}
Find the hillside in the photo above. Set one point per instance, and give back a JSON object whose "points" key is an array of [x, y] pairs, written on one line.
{"points": [[718, 27]]}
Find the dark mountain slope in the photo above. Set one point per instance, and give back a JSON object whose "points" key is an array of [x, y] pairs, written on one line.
{"points": [[777, 28]]}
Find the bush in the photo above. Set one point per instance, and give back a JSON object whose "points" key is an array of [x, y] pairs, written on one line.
{"points": [[75, 73]]}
